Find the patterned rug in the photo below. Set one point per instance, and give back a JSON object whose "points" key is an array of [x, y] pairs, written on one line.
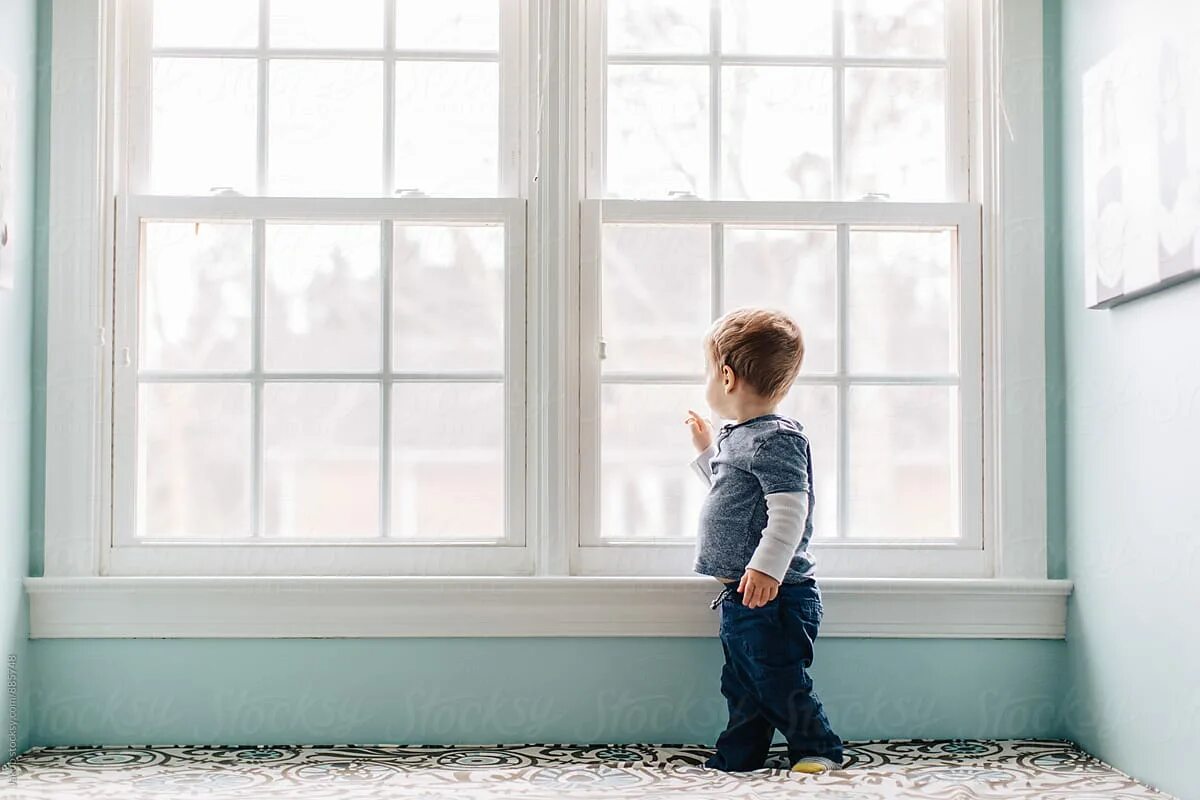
{"points": [[955, 770]]}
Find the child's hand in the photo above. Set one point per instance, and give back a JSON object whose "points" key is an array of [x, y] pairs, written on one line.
{"points": [[757, 588], [702, 431]]}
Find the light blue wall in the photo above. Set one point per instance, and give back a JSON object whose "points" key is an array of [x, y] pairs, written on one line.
{"points": [[1056, 470], [37, 460], [1132, 465], [430, 690], [515, 690], [17, 59]]}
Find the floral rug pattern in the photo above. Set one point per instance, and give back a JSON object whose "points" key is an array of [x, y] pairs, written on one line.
{"points": [[891, 770]]}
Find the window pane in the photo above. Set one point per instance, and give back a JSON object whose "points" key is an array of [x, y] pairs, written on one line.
{"points": [[194, 460], [447, 127], [326, 127], [319, 23], [896, 28], [322, 300], [448, 299], [205, 23], [321, 454], [448, 25], [777, 133], [658, 26], [657, 131], [794, 270], [815, 407], [448, 461], [203, 122], [195, 296], [896, 133], [901, 302], [777, 27], [655, 298], [646, 488], [903, 462]]}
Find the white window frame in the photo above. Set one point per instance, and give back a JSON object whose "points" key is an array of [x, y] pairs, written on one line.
{"points": [[956, 61], [970, 555], [123, 552], [134, 29], [126, 554], [967, 556], [77, 597]]}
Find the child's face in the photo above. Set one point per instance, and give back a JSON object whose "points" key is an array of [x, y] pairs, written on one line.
{"points": [[716, 393]]}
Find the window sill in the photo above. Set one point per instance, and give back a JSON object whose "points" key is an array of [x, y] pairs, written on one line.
{"points": [[368, 607]]}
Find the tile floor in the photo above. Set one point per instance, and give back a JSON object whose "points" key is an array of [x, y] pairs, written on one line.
{"points": [[955, 770]]}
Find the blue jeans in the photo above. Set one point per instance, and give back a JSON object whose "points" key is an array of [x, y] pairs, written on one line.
{"points": [[768, 651]]}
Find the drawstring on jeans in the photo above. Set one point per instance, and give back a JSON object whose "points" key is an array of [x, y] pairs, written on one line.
{"points": [[728, 590]]}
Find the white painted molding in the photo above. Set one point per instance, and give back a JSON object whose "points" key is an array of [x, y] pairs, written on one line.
{"points": [[80, 218], [1015, 324], [320, 607], [553, 330]]}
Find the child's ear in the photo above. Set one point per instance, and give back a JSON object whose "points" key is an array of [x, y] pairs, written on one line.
{"points": [[728, 378]]}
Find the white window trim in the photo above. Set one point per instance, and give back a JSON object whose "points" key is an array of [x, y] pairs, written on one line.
{"points": [[121, 552], [302, 607], [978, 552], [965, 557], [956, 61], [267, 556], [77, 599]]}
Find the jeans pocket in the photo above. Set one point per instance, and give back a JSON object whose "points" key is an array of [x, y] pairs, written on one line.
{"points": [[758, 635], [803, 621], [813, 610]]}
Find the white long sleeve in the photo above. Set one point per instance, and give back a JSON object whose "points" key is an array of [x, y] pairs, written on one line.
{"points": [[787, 515], [703, 464]]}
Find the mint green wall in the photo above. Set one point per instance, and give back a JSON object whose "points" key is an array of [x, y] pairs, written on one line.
{"points": [[515, 690], [17, 60], [1056, 471], [41, 244], [1132, 432], [447, 690]]}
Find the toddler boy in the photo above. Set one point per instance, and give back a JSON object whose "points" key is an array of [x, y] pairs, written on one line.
{"points": [[755, 527]]}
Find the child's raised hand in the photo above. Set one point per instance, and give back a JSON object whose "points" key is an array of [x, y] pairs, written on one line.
{"points": [[702, 431]]}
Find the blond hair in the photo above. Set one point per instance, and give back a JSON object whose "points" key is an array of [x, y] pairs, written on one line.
{"points": [[763, 347]]}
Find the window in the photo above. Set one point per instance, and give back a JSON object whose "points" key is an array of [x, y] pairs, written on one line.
{"points": [[320, 284], [326, 267], [806, 156], [251, 303]]}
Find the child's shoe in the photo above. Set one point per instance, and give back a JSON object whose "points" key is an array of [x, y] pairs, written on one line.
{"points": [[813, 765]]}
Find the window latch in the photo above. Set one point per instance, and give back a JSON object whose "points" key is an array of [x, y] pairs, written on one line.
{"points": [[602, 349]]}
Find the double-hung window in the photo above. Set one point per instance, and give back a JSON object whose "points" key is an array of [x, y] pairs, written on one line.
{"points": [[812, 157], [319, 334], [326, 279], [345, 292]]}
